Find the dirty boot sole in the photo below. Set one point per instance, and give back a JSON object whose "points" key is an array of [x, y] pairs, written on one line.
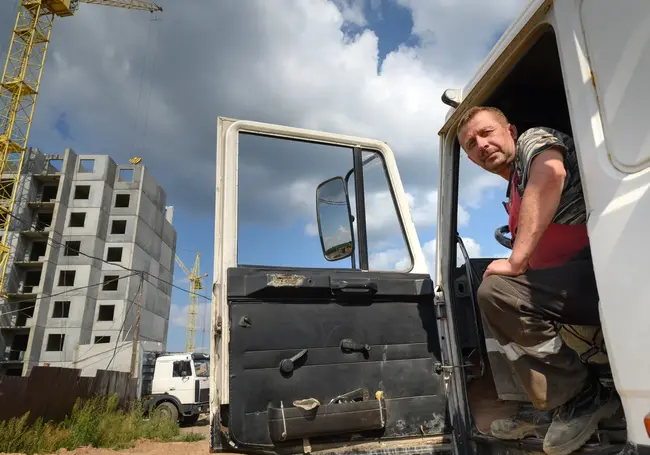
{"points": [[605, 412], [521, 432]]}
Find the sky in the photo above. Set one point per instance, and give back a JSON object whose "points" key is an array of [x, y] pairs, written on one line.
{"points": [[128, 83]]}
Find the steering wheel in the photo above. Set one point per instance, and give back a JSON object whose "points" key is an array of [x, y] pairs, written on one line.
{"points": [[500, 236]]}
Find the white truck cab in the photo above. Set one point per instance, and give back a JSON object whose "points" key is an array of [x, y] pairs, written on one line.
{"points": [[350, 355], [176, 385]]}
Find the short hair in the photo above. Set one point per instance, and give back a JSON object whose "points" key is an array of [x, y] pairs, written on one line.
{"points": [[469, 115]]}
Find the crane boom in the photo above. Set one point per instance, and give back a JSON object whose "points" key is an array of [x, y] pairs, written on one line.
{"points": [[19, 88], [193, 309], [128, 4]]}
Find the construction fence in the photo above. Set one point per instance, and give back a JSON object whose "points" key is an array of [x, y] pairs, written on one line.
{"points": [[50, 392]]}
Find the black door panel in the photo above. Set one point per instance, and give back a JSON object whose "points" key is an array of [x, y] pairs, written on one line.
{"points": [[276, 314]]}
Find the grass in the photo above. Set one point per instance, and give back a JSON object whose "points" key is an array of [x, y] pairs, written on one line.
{"points": [[97, 422], [192, 437]]}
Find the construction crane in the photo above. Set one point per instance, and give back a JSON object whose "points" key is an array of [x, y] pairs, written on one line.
{"points": [[195, 286], [19, 89]]}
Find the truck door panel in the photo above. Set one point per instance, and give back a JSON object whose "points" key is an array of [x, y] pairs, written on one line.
{"points": [[270, 324]]}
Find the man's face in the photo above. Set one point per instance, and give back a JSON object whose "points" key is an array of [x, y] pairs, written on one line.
{"points": [[489, 142]]}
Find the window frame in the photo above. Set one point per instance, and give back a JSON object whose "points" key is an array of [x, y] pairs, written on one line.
{"points": [[360, 240]]}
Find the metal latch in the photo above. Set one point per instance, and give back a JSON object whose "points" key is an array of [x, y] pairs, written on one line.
{"points": [[439, 367]]}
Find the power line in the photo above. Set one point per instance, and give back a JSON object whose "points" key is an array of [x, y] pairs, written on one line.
{"points": [[8, 302], [117, 339], [4, 313], [109, 262]]}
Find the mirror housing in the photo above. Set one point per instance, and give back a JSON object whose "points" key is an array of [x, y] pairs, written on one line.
{"points": [[334, 219]]}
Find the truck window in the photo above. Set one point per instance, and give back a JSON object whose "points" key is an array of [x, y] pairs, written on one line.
{"points": [[202, 368], [278, 226], [181, 369]]}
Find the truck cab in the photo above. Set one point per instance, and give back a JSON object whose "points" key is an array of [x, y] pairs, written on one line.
{"points": [[377, 347], [176, 385]]}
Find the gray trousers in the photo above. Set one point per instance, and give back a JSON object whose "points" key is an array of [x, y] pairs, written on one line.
{"points": [[523, 314]]}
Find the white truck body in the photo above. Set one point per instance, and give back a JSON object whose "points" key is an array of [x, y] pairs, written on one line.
{"points": [[603, 51], [180, 379]]}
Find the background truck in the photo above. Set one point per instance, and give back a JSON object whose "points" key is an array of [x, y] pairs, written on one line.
{"points": [[347, 358], [176, 385]]}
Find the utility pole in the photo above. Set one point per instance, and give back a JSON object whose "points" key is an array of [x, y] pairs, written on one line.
{"points": [[136, 333]]}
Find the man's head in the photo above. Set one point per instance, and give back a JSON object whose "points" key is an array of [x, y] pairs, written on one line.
{"points": [[488, 138]]}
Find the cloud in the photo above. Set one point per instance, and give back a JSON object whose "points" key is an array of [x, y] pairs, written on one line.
{"points": [[178, 315], [154, 89], [455, 35], [396, 259]]}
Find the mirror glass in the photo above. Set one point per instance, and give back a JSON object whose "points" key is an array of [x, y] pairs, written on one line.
{"points": [[334, 221]]}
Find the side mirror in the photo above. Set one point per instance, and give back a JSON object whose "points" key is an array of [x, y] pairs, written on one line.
{"points": [[334, 219]]}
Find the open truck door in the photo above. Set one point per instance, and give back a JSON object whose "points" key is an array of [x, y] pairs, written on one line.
{"points": [[330, 346]]}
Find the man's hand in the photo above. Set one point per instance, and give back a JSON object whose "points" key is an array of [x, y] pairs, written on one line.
{"points": [[504, 267]]}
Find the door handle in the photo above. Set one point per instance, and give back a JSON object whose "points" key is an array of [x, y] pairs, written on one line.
{"points": [[354, 287], [348, 346], [287, 365]]}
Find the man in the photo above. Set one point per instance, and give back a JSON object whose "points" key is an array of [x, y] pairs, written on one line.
{"points": [[547, 280]]}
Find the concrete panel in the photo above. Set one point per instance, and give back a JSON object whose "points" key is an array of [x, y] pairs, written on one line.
{"points": [[70, 341], [75, 315], [81, 278], [102, 164], [169, 235], [90, 246], [146, 239], [166, 257], [89, 306], [120, 305], [132, 209], [97, 193], [150, 214], [122, 285], [152, 326], [90, 223], [125, 261], [166, 277], [134, 184], [70, 158], [92, 357], [34, 344], [102, 224], [129, 234], [110, 173], [151, 189]]}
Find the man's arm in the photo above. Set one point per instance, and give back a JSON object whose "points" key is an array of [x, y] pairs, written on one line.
{"points": [[539, 204]]}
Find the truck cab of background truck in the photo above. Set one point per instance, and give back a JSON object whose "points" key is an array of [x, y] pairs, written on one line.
{"points": [[176, 385], [349, 358]]}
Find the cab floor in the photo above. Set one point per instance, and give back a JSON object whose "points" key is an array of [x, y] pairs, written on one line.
{"points": [[485, 407]]}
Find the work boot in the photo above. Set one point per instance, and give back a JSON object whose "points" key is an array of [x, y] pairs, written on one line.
{"points": [[577, 420], [528, 422]]}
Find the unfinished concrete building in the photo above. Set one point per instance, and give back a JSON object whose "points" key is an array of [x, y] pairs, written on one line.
{"points": [[81, 221]]}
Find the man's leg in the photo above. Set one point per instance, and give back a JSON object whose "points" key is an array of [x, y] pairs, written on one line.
{"points": [[522, 313]]}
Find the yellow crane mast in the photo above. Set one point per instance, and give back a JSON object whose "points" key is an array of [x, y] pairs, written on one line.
{"points": [[19, 88], [193, 309]]}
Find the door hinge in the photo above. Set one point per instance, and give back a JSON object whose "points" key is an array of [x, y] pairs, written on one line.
{"points": [[439, 303], [219, 326]]}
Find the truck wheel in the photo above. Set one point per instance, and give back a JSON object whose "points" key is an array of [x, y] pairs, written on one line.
{"points": [[166, 410]]}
